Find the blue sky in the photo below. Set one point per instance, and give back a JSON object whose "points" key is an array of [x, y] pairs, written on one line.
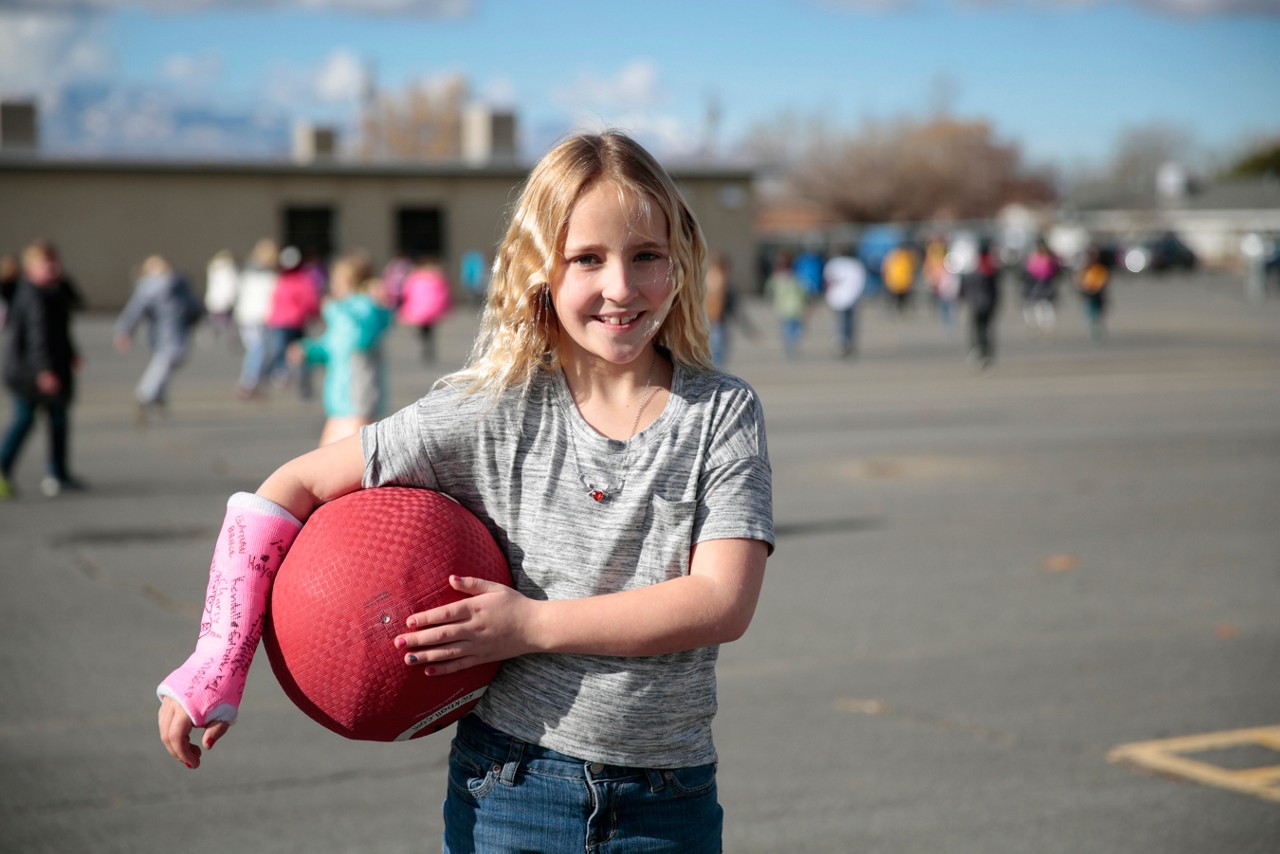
{"points": [[1061, 78]]}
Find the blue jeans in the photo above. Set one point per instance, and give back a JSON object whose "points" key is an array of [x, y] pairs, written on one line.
{"points": [[276, 362], [506, 795], [792, 330], [24, 416], [847, 329], [719, 340], [254, 366]]}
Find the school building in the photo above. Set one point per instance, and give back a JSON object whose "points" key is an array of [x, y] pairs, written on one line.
{"points": [[105, 217]]}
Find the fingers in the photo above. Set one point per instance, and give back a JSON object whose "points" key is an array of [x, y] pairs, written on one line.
{"points": [[453, 665], [214, 733], [432, 639], [456, 611], [175, 733], [472, 586], [478, 628]]}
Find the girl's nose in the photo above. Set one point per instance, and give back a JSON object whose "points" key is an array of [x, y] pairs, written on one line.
{"points": [[620, 283]]}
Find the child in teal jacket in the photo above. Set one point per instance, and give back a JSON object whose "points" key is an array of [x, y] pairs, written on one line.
{"points": [[350, 349]]}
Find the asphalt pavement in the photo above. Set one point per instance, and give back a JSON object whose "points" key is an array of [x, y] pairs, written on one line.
{"points": [[1031, 609]]}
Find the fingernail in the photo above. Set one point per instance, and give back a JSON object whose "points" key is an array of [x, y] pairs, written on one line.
{"points": [[188, 764], [401, 643], [411, 623], [412, 659]]}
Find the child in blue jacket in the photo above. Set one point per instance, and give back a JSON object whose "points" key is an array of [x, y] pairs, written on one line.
{"points": [[350, 349]]}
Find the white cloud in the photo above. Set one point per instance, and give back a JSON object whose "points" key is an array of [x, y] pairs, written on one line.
{"points": [[193, 69], [636, 85], [129, 121], [336, 83], [341, 78], [40, 54], [633, 99], [667, 136], [500, 92]]}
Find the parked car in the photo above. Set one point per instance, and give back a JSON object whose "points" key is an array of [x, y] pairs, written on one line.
{"points": [[1160, 255]]}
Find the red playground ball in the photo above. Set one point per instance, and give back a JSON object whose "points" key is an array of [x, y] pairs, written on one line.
{"points": [[360, 566]]}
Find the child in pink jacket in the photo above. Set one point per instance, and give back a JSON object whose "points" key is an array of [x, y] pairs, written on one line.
{"points": [[426, 299], [294, 304]]}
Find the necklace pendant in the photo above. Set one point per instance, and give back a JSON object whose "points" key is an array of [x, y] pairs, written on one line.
{"points": [[597, 495]]}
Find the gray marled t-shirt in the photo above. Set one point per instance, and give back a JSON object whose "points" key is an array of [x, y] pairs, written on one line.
{"points": [[699, 472]]}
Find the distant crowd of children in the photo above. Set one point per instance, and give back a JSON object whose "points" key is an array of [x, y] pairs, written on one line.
{"points": [[958, 272], [287, 312]]}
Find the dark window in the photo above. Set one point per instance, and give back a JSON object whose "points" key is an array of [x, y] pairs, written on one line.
{"points": [[311, 230], [420, 232]]}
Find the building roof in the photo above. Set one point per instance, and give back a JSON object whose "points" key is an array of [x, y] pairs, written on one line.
{"points": [[1236, 194], [324, 168]]}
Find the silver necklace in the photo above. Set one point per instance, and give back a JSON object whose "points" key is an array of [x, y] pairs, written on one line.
{"points": [[596, 492]]}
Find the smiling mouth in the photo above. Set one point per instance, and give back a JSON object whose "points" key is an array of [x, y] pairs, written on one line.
{"points": [[618, 319]]}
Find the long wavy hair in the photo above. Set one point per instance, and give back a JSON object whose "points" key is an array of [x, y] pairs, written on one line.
{"points": [[519, 331]]}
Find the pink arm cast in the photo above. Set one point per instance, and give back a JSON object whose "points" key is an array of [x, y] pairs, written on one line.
{"points": [[254, 539]]}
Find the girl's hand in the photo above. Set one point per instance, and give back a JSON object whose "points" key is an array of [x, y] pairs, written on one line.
{"points": [[175, 733], [492, 624]]}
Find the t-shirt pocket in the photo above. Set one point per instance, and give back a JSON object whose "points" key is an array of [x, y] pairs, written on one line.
{"points": [[668, 538]]}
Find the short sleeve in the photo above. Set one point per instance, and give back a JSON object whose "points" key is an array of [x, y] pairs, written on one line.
{"points": [[735, 490], [395, 452]]}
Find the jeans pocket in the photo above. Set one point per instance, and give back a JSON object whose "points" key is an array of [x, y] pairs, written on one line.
{"points": [[691, 782], [470, 774]]}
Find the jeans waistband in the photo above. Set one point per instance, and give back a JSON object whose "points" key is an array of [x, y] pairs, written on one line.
{"points": [[510, 753]]}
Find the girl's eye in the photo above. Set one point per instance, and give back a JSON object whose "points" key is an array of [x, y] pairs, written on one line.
{"points": [[648, 256], [585, 260]]}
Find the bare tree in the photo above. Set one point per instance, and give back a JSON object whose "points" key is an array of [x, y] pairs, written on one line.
{"points": [[908, 170], [1259, 158], [422, 123], [1142, 151]]}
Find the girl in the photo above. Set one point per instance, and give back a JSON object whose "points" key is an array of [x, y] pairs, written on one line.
{"points": [[628, 484], [350, 349], [294, 304], [424, 302], [164, 300], [254, 291]]}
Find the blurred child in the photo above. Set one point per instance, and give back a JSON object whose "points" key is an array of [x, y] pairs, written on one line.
{"points": [[161, 299], [980, 291], [40, 364], [1041, 288], [790, 303], [255, 287], [294, 304], [1093, 279], [722, 304], [898, 270], [425, 302], [350, 349], [220, 284]]}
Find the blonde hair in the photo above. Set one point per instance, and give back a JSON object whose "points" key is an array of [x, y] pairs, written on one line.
{"points": [[353, 270], [519, 331], [155, 265], [265, 253]]}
